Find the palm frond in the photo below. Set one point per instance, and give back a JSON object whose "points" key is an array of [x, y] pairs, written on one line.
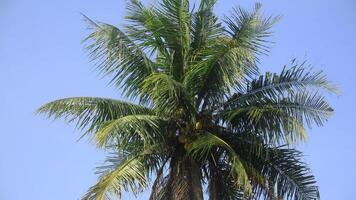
{"points": [[201, 149], [250, 29], [166, 94], [146, 129], [281, 119], [286, 175], [292, 79], [146, 28], [221, 185], [90, 112], [116, 55], [223, 69], [232, 59], [126, 171], [127, 175], [304, 106], [292, 177], [176, 18], [205, 26]]}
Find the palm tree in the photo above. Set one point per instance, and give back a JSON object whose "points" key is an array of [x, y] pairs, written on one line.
{"points": [[202, 116]]}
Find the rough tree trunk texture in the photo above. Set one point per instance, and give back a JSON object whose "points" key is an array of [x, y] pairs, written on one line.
{"points": [[184, 179]]}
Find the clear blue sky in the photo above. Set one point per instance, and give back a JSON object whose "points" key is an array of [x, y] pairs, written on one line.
{"points": [[41, 59]]}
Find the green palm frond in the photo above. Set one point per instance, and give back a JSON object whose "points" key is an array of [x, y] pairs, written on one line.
{"points": [[90, 112], [291, 177], [228, 62], [281, 119], [167, 94], [145, 129], [295, 78], [205, 27], [286, 176], [201, 148], [306, 107], [222, 70], [127, 171], [250, 29], [176, 18], [122, 175], [116, 55], [146, 28]]}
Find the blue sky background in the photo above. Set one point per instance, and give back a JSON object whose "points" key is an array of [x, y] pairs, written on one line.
{"points": [[41, 59]]}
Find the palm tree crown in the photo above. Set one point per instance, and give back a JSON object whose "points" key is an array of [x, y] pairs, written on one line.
{"points": [[205, 117]]}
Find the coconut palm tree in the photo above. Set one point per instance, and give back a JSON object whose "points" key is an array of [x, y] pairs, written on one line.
{"points": [[201, 114]]}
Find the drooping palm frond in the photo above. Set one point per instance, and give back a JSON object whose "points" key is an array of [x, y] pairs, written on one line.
{"points": [[286, 176], [292, 79], [201, 148], [128, 171], [280, 105], [90, 112], [292, 177], [147, 129], [222, 186], [125, 175], [281, 119]]}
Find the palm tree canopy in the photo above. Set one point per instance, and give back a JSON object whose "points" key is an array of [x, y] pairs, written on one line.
{"points": [[206, 117]]}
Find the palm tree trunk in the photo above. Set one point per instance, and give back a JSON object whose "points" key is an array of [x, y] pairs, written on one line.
{"points": [[215, 185], [184, 179]]}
